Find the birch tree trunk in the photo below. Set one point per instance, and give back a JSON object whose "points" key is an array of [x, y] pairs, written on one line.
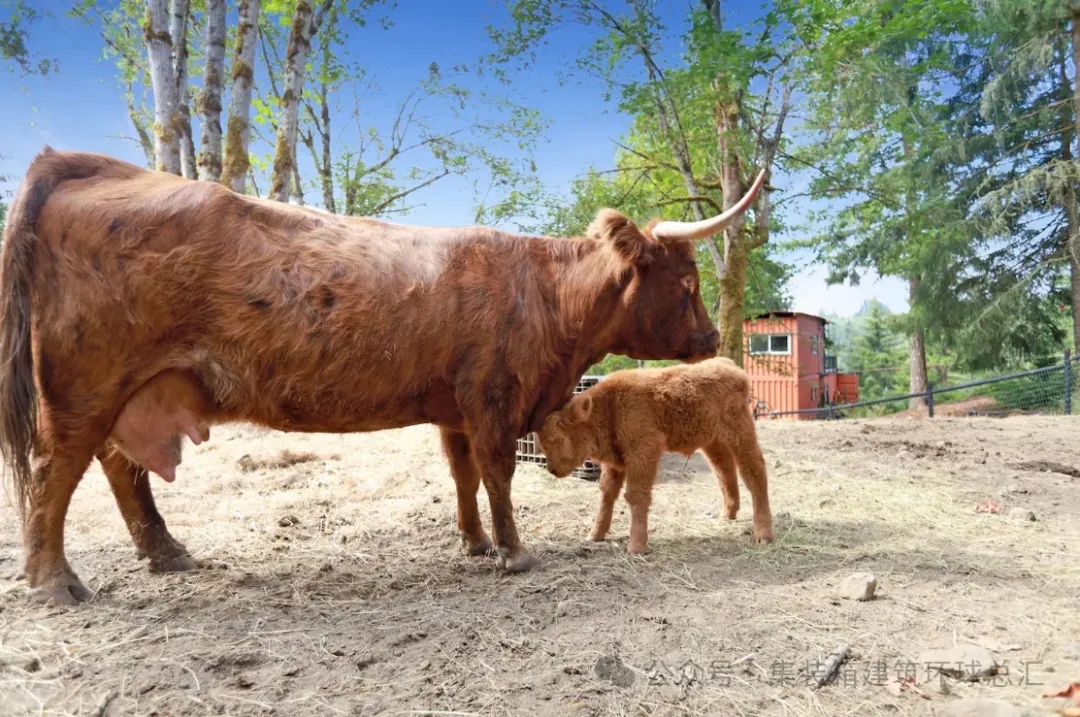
{"points": [[178, 31], [305, 24], [236, 161], [163, 81], [208, 104]]}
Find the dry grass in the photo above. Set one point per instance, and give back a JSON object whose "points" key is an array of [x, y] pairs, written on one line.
{"points": [[333, 583]]}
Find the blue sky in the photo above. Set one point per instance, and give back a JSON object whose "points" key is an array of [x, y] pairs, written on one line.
{"points": [[82, 107]]}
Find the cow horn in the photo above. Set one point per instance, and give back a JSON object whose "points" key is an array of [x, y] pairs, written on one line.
{"points": [[713, 225]]}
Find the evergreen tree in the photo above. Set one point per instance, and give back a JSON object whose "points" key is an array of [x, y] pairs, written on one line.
{"points": [[877, 355]]}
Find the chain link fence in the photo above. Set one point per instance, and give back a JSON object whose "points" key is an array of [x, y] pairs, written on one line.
{"points": [[1048, 390]]}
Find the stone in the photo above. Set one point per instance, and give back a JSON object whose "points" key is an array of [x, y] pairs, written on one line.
{"points": [[613, 670], [857, 586], [981, 707], [963, 662], [1022, 514], [1014, 489], [1072, 650]]}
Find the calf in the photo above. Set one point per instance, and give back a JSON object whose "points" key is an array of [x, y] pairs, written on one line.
{"points": [[627, 421]]}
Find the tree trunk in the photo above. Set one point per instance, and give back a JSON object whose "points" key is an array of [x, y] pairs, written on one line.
{"points": [[304, 26], [178, 30], [733, 300], [209, 102], [326, 170], [163, 81], [917, 348], [1073, 245], [736, 248], [236, 161], [146, 142]]}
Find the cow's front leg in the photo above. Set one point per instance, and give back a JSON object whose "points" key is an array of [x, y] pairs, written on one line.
{"points": [[466, 475], [495, 459], [131, 487]]}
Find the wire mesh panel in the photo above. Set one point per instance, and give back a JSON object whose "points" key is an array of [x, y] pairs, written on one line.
{"points": [[1048, 390], [528, 449]]}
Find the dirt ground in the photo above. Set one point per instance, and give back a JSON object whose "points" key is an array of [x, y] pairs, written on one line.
{"points": [[332, 583]]}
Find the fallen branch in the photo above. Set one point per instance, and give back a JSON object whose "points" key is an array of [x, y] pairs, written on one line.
{"points": [[832, 664]]}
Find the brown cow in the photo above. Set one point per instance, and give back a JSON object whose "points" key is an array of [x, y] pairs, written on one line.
{"points": [[627, 421], [300, 320]]}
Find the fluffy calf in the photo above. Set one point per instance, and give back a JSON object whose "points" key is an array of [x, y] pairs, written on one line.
{"points": [[627, 421]]}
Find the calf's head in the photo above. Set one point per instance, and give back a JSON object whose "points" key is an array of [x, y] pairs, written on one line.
{"points": [[662, 315], [565, 438]]}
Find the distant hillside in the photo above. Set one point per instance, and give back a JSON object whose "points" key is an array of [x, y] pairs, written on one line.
{"points": [[842, 331]]}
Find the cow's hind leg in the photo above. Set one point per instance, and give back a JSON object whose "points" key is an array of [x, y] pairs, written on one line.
{"points": [[57, 473], [723, 465], [466, 475], [611, 482], [131, 487]]}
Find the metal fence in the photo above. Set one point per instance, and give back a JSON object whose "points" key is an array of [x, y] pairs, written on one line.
{"points": [[1047, 390], [528, 448]]}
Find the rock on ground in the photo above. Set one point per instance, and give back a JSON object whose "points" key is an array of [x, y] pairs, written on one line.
{"points": [[963, 662], [1021, 514], [857, 586]]}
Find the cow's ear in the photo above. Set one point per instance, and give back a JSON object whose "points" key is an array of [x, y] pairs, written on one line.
{"points": [[615, 227], [580, 410]]}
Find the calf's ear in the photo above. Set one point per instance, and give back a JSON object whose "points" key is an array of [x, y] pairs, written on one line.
{"points": [[580, 410], [618, 229]]}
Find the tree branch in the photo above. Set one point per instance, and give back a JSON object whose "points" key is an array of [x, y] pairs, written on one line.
{"points": [[699, 198], [381, 206]]}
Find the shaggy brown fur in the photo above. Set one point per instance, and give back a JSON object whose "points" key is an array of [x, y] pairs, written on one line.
{"points": [[628, 420], [298, 320]]}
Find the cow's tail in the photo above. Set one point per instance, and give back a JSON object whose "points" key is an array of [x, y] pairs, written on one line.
{"points": [[18, 392]]}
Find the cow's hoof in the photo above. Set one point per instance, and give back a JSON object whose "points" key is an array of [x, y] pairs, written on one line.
{"points": [[172, 564], [521, 563], [483, 547], [636, 549], [62, 590], [730, 511], [763, 535]]}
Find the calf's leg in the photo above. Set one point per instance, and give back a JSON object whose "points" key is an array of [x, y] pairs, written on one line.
{"points": [[611, 483], [131, 487], [640, 475], [751, 463], [466, 475], [723, 464]]}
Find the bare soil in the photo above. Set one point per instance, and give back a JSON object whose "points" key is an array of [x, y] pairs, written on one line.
{"points": [[332, 583]]}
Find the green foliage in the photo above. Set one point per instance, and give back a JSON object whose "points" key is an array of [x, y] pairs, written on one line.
{"points": [[875, 353], [15, 35]]}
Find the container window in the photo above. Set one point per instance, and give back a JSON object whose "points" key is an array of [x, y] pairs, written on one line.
{"points": [[770, 344]]}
